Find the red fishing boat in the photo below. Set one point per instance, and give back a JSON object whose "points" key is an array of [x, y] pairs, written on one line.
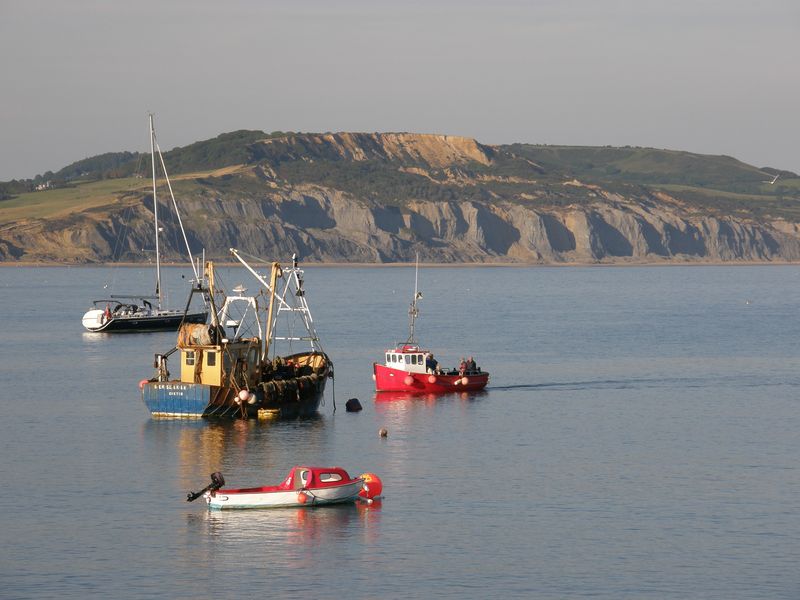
{"points": [[409, 368]]}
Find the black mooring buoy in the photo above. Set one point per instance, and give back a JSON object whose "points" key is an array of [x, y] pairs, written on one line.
{"points": [[352, 405]]}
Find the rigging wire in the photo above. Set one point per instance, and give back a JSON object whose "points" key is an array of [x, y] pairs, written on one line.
{"points": [[177, 213]]}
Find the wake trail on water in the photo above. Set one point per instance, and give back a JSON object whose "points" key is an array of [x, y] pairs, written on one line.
{"points": [[640, 383], [581, 385]]}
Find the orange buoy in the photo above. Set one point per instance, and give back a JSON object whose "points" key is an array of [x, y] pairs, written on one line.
{"points": [[302, 497], [142, 382], [431, 378], [409, 380], [465, 380], [373, 486]]}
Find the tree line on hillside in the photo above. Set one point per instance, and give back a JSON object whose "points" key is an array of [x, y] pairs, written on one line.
{"points": [[548, 165], [224, 150]]}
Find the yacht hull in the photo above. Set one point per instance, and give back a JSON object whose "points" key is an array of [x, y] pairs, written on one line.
{"points": [[141, 323]]}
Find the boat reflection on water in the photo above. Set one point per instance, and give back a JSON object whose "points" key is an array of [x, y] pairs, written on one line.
{"points": [[200, 447], [429, 398], [406, 397], [295, 525], [279, 538]]}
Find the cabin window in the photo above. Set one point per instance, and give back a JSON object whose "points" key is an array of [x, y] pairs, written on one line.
{"points": [[419, 359], [394, 358], [408, 359], [211, 358], [190, 357], [413, 359], [388, 358], [324, 477]]}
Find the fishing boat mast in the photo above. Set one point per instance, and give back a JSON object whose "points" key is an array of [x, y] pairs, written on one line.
{"points": [[413, 311], [292, 291], [209, 277], [155, 209], [274, 274]]}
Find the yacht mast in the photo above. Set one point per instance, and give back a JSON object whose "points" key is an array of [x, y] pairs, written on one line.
{"points": [[155, 210]]}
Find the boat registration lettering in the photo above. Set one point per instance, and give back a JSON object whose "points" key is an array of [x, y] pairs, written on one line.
{"points": [[172, 389]]}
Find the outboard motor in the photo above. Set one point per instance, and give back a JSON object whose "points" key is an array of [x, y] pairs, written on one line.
{"points": [[217, 481]]}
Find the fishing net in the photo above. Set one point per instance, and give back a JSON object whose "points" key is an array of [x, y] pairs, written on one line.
{"points": [[193, 334]]}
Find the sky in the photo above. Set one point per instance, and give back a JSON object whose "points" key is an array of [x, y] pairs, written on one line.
{"points": [[708, 76]]}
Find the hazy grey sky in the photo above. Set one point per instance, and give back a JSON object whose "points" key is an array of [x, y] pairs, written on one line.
{"points": [[708, 76]]}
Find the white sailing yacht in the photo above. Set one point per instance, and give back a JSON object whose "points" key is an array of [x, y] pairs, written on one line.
{"points": [[144, 312]]}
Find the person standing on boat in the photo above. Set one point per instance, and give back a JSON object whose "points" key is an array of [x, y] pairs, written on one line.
{"points": [[431, 364], [471, 366], [462, 366]]}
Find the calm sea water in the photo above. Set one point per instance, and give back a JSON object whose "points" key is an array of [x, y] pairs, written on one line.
{"points": [[639, 439]]}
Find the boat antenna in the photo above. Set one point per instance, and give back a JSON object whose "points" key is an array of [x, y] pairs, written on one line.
{"points": [[155, 208], [413, 311]]}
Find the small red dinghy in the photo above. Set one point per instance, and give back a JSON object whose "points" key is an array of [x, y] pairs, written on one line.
{"points": [[304, 486]]}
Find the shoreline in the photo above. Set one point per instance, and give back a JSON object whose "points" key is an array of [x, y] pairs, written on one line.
{"points": [[340, 265]]}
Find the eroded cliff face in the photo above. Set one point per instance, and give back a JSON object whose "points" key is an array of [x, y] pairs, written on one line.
{"points": [[325, 225], [274, 217]]}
